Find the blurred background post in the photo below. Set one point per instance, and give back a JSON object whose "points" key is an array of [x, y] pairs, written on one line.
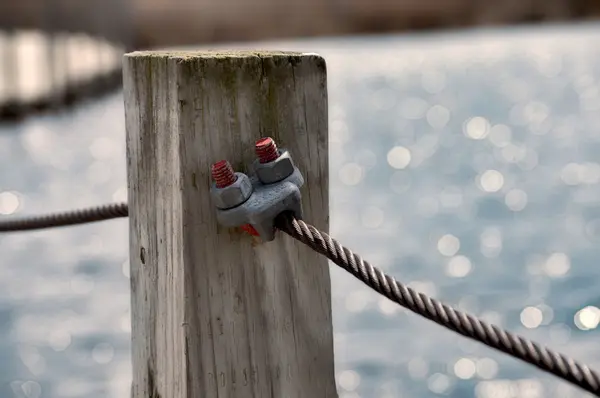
{"points": [[55, 51]]}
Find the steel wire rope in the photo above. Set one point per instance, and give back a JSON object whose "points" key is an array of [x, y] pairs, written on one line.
{"points": [[73, 217], [467, 325]]}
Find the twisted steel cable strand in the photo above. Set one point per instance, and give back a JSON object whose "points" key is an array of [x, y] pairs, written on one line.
{"points": [[516, 346], [74, 217], [464, 324]]}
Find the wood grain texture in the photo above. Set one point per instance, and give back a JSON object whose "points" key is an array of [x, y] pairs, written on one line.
{"points": [[215, 313]]}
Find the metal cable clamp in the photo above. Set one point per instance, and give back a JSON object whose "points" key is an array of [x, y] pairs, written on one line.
{"points": [[253, 202]]}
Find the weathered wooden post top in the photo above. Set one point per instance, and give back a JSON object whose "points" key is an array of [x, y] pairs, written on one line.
{"points": [[215, 312]]}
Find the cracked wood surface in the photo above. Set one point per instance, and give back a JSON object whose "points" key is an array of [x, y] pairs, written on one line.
{"points": [[215, 313]]}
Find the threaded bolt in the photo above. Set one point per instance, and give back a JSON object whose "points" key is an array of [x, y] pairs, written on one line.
{"points": [[223, 174], [266, 150]]}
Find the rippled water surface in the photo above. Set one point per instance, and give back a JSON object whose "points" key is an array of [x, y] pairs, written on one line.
{"points": [[464, 164]]}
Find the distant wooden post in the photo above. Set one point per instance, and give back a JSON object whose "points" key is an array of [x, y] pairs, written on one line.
{"points": [[214, 313]]}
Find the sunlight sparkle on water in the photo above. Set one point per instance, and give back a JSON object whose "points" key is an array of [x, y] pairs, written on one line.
{"points": [[9, 203]]}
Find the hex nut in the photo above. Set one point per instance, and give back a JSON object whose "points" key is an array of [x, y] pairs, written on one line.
{"points": [[234, 194], [275, 171]]}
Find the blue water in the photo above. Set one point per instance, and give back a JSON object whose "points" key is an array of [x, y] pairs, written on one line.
{"points": [[465, 164]]}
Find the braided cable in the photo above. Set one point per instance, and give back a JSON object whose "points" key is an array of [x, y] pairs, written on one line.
{"points": [[74, 217], [464, 324], [516, 346]]}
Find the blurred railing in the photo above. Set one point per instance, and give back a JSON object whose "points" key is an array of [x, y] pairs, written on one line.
{"points": [[182, 22], [54, 52]]}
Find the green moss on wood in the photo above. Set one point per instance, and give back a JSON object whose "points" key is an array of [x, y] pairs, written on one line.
{"points": [[269, 76], [214, 54]]}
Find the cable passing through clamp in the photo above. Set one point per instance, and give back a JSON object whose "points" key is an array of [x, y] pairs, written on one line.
{"points": [[252, 202]]}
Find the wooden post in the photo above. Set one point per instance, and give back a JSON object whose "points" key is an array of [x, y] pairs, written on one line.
{"points": [[214, 312]]}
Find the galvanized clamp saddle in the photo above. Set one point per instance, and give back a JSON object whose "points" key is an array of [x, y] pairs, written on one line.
{"points": [[253, 202]]}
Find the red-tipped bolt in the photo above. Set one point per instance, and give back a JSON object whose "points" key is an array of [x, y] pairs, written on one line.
{"points": [[266, 150], [223, 174]]}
